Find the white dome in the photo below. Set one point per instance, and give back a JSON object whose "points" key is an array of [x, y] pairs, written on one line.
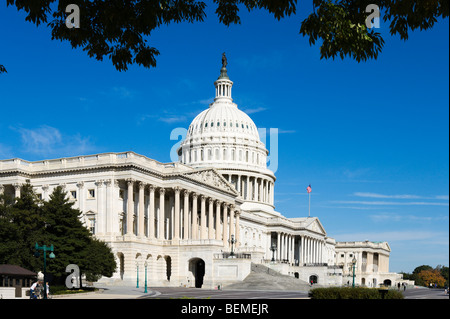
{"points": [[225, 138], [224, 119]]}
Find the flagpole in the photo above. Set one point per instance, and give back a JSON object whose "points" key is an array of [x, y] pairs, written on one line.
{"points": [[309, 206]]}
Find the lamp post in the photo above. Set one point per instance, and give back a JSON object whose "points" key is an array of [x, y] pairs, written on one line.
{"points": [[232, 241], [145, 282], [51, 255], [273, 249], [137, 274], [354, 265]]}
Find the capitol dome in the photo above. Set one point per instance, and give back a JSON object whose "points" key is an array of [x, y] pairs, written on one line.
{"points": [[227, 139]]}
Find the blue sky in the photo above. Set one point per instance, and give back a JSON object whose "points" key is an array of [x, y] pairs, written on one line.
{"points": [[371, 138]]}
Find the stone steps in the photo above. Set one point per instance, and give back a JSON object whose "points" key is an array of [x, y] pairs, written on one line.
{"points": [[264, 278]]}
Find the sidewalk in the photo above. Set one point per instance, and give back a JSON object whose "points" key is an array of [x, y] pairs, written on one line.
{"points": [[111, 292]]}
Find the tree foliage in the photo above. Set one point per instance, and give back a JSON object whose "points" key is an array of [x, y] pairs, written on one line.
{"points": [[120, 29], [424, 274], [431, 278], [56, 222]]}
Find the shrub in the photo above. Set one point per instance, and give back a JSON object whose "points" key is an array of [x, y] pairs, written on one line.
{"points": [[352, 293]]}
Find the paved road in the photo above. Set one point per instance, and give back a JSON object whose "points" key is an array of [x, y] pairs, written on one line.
{"points": [[425, 293], [175, 293]]}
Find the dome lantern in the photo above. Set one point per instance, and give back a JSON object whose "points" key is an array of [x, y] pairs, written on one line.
{"points": [[223, 84]]}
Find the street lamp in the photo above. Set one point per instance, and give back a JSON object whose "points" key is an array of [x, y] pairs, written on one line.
{"points": [[354, 265], [145, 282], [137, 274], [232, 241], [51, 255], [273, 249]]}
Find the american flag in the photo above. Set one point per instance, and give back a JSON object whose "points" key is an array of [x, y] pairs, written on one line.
{"points": [[308, 189]]}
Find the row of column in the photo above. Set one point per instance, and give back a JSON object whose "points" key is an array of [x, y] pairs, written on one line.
{"points": [[310, 250], [253, 188], [199, 217]]}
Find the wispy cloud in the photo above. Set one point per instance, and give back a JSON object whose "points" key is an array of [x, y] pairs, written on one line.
{"points": [[254, 110], [172, 118], [390, 203], [122, 92], [395, 236], [375, 195], [401, 196], [47, 141], [385, 217]]}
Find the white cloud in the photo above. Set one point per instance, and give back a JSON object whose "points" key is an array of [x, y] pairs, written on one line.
{"points": [[394, 236], [391, 203], [375, 195], [254, 110], [172, 118], [385, 217], [401, 196], [48, 141], [122, 92]]}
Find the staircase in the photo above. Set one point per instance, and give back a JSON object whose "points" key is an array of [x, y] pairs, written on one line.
{"points": [[264, 278]]}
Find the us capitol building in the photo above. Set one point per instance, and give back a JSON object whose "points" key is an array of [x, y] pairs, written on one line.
{"points": [[201, 221]]}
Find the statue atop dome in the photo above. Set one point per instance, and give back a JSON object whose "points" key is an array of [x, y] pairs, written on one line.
{"points": [[224, 60], [223, 70]]}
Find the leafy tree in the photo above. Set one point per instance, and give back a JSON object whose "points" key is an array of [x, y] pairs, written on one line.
{"points": [[444, 272], [432, 276], [104, 264], [22, 225], [415, 274], [73, 242], [27, 220], [119, 29]]}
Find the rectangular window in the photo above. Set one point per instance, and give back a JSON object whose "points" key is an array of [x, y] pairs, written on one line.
{"points": [[92, 193], [73, 194]]}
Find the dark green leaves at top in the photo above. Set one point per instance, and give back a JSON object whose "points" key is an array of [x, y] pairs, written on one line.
{"points": [[120, 29]]}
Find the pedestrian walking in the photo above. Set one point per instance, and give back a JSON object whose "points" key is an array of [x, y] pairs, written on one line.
{"points": [[33, 290]]}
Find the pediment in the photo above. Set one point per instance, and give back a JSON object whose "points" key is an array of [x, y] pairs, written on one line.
{"points": [[212, 178], [316, 226]]}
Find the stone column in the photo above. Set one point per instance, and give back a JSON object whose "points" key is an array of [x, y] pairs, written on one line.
{"points": [[256, 189], [232, 227], [130, 207], [194, 216], [151, 212], [2, 192], [247, 195], [278, 257], [203, 217], [211, 219], [17, 187], [307, 246], [141, 227], [80, 186], [186, 215], [238, 186], [261, 190], [177, 213], [238, 230], [161, 214], [225, 225], [291, 259], [272, 195], [218, 234]]}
